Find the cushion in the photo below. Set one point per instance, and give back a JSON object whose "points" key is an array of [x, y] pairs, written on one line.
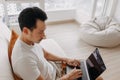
{"points": [[5, 69], [4, 31], [14, 37], [51, 46], [97, 35]]}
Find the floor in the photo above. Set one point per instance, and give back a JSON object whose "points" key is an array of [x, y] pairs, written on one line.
{"points": [[66, 34]]}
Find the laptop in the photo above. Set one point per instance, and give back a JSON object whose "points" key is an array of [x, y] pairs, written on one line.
{"points": [[92, 67]]}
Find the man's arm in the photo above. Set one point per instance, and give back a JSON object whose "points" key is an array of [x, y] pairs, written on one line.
{"points": [[75, 73], [52, 57]]}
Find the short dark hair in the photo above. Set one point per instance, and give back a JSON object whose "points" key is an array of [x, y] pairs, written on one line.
{"points": [[29, 16]]}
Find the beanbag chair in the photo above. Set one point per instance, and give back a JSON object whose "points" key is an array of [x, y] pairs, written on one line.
{"points": [[101, 32]]}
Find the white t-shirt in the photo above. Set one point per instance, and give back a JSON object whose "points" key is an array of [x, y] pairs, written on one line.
{"points": [[28, 62]]}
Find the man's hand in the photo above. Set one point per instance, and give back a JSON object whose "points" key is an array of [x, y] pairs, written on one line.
{"points": [[72, 62], [73, 74]]}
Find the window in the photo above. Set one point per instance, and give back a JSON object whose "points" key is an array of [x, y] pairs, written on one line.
{"points": [[67, 9], [13, 9], [99, 7], [84, 10], [1, 10], [59, 4]]}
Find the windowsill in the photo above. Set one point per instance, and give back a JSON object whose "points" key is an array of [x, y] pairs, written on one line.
{"points": [[62, 9], [61, 15]]}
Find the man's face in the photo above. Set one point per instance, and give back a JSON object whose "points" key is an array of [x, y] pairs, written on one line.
{"points": [[37, 34]]}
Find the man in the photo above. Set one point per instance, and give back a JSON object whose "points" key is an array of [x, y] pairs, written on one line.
{"points": [[29, 60]]}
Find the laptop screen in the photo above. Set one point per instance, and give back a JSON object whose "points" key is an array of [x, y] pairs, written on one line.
{"points": [[95, 65]]}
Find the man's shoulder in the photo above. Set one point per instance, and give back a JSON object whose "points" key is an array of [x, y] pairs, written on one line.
{"points": [[22, 53], [20, 47], [17, 45], [23, 59]]}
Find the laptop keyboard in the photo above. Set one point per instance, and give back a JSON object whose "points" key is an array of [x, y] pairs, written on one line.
{"points": [[82, 67]]}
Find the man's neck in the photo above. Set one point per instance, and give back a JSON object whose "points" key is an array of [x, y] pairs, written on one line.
{"points": [[24, 39]]}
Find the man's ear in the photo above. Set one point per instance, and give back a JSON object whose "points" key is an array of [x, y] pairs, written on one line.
{"points": [[25, 30]]}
